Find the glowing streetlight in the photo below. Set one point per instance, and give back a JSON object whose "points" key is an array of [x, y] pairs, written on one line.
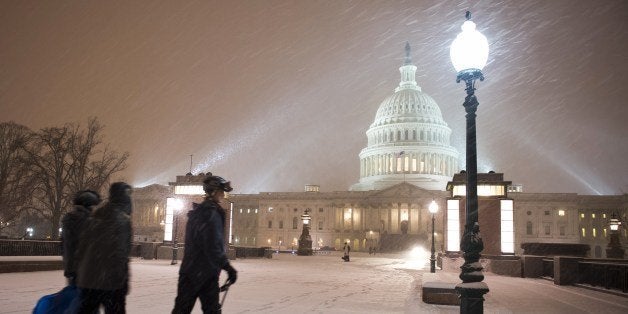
{"points": [[469, 53], [433, 208], [614, 249], [305, 241]]}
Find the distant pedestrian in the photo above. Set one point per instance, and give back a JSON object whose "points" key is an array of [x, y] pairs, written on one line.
{"points": [[71, 226], [205, 255], [347, 249], [103, 268]]}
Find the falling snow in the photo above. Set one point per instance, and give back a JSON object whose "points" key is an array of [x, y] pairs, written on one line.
{"points": [[278, 94]]}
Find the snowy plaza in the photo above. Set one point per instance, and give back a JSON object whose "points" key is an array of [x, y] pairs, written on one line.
{"points": [[287, 283]]}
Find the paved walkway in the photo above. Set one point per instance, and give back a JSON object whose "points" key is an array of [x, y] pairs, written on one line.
{"points": [[323, 284]]}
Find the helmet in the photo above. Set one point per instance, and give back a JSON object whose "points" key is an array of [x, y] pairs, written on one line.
{"points": [[86, 198], [213, 183]]}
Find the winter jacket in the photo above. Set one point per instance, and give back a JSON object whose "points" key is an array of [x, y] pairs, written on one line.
{"points": [[105, 246], [204, 254], [72, 224]]}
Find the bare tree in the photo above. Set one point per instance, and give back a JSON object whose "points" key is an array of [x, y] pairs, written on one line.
{"points": [[68, 159], [16, 182]]}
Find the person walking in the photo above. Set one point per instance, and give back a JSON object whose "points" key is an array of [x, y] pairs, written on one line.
{"points": [[71, 227], [204, 255], [346, 249], [103, 255]]}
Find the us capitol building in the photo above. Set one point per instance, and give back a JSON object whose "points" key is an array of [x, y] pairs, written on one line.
{"points": [[408, 163]]}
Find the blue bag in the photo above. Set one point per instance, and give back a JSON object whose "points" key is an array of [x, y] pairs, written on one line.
{"points": [[57, 302]]}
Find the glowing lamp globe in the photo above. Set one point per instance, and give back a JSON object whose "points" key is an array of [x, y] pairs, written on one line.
{"points": [[614, 223], [469, 51], [306, 219], [433, 208]]}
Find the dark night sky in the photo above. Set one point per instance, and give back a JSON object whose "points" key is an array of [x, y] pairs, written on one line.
{"points": [[277, 94]]}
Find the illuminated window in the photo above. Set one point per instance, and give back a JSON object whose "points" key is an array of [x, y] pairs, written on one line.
{"points": [[347, 214], [507, 226], [413, 164], [270, 209], [581, 215], [584, 232], [604, 216], [240, 210], [604, 232], [561, 212], [256, 210], [594, 232], [593, 216], [404, 214], [248, 210], [453, 225]]}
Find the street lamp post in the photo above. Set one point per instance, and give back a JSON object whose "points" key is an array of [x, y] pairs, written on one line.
{"points": [[469, 53], [614, 249], [433, 209], [305, 241]]}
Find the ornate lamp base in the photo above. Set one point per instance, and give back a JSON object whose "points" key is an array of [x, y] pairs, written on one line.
{"points": [[472, 297]]}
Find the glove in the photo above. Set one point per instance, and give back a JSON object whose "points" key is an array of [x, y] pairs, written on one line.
{"points": [[232, 273]]}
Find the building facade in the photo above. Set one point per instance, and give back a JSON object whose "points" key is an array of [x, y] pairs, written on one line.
{"points": [[407, 163]]}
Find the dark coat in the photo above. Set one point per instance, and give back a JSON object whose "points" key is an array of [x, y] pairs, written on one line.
{"points": [[105, 247], [204, 254], [72, 224]]}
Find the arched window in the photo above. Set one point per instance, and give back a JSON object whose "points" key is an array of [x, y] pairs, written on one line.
{"points": [[414, 134], [406, 135], [398, 135]]}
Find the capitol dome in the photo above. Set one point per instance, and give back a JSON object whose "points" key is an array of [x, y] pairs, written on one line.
{"points": [[408, 140]]}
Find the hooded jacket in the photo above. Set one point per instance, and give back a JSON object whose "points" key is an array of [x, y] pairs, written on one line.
{"points": [[106, 244], [72, 225], [204, 254]]}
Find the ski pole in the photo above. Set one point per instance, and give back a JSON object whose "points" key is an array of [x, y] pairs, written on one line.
{"points": [[224, 288]]}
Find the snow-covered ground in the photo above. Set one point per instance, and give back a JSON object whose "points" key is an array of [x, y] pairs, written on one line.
{"points": [[322, 284]]}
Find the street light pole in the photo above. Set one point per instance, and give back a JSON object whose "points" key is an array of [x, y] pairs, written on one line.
{"points": [[614, 248], [469, 53], [175, 243], [433, 209]]}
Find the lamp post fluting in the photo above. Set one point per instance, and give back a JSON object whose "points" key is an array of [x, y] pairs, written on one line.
{"points": [[469, 53], [433, 209]]}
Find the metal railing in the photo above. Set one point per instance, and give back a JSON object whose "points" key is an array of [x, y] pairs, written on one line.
{"points": [[29, 248], [600, 274]]}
